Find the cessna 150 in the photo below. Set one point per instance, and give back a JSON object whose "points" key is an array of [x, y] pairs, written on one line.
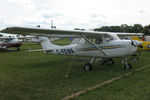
{"points": [[9, 42], [93, 44]]}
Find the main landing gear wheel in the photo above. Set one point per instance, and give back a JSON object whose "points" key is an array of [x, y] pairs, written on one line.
{"points": [[3, 50], [108, 61], [88, 67], [127, 66], [18, 49]]}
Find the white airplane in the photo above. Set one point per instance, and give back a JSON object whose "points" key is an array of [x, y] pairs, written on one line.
{"points": [[10, 42], [93, 44]]}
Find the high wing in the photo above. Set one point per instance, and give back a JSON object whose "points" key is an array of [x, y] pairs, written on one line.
{"points": [[23, 30], [76, 33]]}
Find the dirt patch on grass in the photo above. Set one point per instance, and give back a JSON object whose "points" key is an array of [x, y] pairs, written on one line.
{"points": [[103, 83]]}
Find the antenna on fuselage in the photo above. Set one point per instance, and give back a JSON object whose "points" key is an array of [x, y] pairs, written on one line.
{"points": [[52, 26], [37, 26]]}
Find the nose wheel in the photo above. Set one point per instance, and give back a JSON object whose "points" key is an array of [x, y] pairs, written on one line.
{"points": [[18, 49], [127, 65]]}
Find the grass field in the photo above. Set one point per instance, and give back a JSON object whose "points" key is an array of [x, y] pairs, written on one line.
{"points": [[38, 76]]}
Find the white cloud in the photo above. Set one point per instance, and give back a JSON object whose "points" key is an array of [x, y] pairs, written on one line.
{"points": [[25, 4], [68, 14]]}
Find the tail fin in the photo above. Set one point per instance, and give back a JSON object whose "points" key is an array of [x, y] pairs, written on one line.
{"points": [[46, 44], [75, 41]]}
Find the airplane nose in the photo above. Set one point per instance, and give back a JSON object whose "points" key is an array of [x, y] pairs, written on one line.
{"points": [[19, 40], [136, 43]]}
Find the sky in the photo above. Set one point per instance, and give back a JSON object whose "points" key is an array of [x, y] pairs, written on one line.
{"points": [[70, 14]]}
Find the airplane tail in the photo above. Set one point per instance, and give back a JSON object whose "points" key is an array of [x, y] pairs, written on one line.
{"points": [[75, 41], [46, 44]]}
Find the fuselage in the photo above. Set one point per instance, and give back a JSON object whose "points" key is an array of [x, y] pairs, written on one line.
{"points": [[115, 48], [10, 42]]}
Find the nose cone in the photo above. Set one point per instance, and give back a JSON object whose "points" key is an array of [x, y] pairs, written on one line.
{"points": [[135, 44], [20, 40], [138, 42]]}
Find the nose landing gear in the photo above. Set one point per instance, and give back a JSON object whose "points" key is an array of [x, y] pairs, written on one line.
{"points": [[127, 65]]}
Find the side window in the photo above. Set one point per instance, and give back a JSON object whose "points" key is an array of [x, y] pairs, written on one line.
{"points": [[109, 38], [96, 40], [6, 40]]}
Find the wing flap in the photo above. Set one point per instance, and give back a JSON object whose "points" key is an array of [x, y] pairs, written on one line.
{"points": [[38, 50]]}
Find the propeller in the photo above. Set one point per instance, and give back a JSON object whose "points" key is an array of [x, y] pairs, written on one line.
{"points": [[136, 43]]}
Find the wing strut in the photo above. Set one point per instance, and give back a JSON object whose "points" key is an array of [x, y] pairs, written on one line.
{"points": [[94, 45], [69, 68]]}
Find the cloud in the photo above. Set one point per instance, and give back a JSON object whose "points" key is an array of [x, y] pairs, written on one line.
{"points": [[141, 11], [25, 4], [68, 14], [51, 15]]}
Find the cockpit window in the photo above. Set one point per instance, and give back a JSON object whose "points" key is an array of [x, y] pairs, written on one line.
{"points": [[6, 39], [96, 40], [109, 38], [104, 39]]}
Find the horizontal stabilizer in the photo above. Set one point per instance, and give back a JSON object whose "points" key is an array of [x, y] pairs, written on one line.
{"points": [[37, 50]]}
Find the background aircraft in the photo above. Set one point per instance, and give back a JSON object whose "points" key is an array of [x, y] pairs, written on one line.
{"points": [[104, 45], [10, 42], [14, 40], [145, 44]]}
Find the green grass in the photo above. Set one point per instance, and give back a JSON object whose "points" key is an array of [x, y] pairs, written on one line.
{"points": [[62, 41], [38, 76], [134, 87]]}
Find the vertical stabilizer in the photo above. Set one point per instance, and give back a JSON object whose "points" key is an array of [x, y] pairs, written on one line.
{"points": [[46, 44]]}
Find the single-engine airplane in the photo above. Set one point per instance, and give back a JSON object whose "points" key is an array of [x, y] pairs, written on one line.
{"points": [[145, 45], [10, 42], [92, 44]]}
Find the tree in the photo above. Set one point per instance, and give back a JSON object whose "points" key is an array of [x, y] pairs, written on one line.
{"points": [[126, 28], [78, 29], [146, 30], [109, 29], [137, 28]]}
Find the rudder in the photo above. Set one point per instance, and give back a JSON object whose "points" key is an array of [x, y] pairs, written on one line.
{"points": [[46, 44]]}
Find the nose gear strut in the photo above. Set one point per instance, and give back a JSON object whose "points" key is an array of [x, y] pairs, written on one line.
{"points": [[127, 65]]}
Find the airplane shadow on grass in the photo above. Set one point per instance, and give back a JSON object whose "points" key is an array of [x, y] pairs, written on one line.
{"points": [[76, 66], [44, 64]]}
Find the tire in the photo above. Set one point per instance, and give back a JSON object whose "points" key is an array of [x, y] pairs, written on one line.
{"points": [[127, 66], [3, 50], [148, 46], [110, 62], [18, 49], [102, 63], [88, 67]]}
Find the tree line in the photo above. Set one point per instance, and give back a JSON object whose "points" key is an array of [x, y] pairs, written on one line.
{"points": [[136, 28]]}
